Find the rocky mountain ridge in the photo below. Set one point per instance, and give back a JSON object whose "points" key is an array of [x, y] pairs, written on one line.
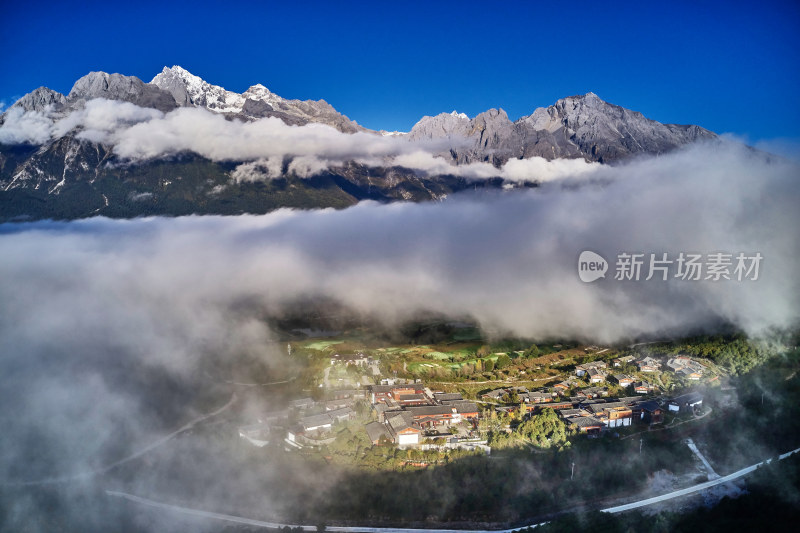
{"points": [[578, 126], [257, 102], [63, 174]]}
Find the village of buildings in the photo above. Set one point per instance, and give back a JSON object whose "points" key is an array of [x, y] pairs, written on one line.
{"points": [[409, 413]]}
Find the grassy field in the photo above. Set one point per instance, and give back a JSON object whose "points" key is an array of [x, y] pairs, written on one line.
{"points": [[321, 345], [450, 358], [453, 356]]}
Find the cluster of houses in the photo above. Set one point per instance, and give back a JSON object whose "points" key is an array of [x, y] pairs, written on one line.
{"points": [[598, 415], [645, 364], [316, 419], [686, 367], [260, 433], [649, 364], [590, 413], [686, 403], [357, 359], [595, 371], [639, 386], [587, 411], [591, 410], [624, 360], [406, 411], [623, 380], [558, 395], [681, 365], [522, 394]]}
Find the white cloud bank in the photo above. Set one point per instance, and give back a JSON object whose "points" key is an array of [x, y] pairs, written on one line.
{"points": [[508, 261], [139, 134], [88, 307], [25, 127]]}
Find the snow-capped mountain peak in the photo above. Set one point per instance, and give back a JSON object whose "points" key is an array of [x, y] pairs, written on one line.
{"points": [[259, 92], [188, 89], [256, 102], [180, 72], [258, 88]]}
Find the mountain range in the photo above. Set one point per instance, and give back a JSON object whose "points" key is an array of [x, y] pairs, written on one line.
{"points": [[54, 165]]}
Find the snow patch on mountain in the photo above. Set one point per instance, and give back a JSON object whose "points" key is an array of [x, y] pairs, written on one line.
{"points": [[188, 89], [257, 102]]}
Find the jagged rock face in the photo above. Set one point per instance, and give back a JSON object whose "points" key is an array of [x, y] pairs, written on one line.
{"points": [[318, 111], [63, 162], [261, 109], [444, 125], [257, 102], [606, 132], [579, 126], [176, 87], [490, 136], [296, 111], [42, 99], [118, 87], [71, 176], [190, 90]]}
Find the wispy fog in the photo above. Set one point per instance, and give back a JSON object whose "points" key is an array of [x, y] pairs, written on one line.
{"points": [[87, 306], [507, 260]]}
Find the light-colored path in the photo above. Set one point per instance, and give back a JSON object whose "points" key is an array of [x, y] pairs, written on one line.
{"points": [[671, 425], [275, 525], [692, 446], [358, 529], [644, 343], [694, 488]]}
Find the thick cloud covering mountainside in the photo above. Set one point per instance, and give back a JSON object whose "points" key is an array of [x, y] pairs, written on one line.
{"points": [[139, 134], [80, 300], [507, 260]]}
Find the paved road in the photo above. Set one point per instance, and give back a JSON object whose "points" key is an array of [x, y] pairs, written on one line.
{"points": [[275, 525], [693, 489], [501, 381], [261, 523], [709, 470]]}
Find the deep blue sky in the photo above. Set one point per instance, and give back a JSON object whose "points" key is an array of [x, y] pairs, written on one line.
{"points": [[728, 66]]}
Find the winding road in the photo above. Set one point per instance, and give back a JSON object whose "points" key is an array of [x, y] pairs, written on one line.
{"points": [[276, 525], [361, 529], [694, 488]]}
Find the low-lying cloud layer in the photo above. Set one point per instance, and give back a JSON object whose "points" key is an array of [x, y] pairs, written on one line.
{"points": [[82, 301], [139, 134], [508, 260]]}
